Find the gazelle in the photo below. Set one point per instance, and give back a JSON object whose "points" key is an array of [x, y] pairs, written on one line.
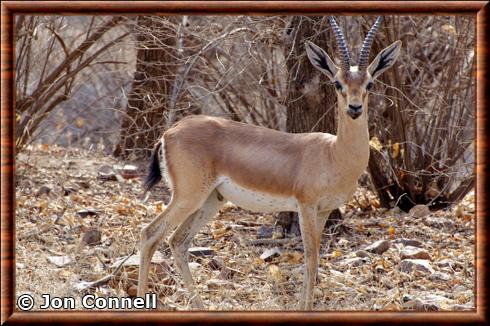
{"points": [[208, 161]]}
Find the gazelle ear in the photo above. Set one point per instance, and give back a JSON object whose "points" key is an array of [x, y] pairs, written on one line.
{"points": [[385, 59], [320, 60]]}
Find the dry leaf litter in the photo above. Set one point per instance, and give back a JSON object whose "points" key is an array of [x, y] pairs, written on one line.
{"points": [[79, 215]]}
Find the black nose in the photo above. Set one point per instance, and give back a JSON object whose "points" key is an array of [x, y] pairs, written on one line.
{"points": [[354, 111]]}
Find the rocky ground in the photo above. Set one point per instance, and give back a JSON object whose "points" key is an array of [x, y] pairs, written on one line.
{"points": [[78, 217]]}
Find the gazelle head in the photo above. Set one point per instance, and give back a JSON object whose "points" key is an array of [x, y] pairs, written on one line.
{"points": [[352, 83]]}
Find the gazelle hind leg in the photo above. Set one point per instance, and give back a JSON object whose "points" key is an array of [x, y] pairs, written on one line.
{"points": [[177, 211], [182, 237]]}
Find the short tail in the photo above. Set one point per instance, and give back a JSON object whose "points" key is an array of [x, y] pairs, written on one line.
{"points": [[154, 173]]}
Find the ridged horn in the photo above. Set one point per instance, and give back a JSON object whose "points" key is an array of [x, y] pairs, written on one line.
{"points": [[366, 45], [343, 50]]}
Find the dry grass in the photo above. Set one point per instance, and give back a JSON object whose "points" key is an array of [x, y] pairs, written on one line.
{"points": [[48, 225]]}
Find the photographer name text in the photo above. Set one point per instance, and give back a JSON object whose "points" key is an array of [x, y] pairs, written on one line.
{"points": [[90, 301]]}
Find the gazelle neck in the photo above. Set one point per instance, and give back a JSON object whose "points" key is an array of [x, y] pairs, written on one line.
{"points": [[352, 141]]}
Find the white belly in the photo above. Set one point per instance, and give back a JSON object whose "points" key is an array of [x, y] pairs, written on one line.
{"points": [[252, 200]]}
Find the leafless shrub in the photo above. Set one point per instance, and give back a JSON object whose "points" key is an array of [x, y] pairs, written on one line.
{"points": [[229, 66], [242, 67], [424, 113], [53, 61]]}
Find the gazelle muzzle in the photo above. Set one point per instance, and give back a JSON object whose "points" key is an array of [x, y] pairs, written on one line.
{"points": [[354, 111]]}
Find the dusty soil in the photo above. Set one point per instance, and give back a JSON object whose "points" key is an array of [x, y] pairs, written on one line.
{"points": [[74, 226]]}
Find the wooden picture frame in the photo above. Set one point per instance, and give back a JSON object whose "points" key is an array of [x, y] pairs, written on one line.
{"points": [[10, 8]]}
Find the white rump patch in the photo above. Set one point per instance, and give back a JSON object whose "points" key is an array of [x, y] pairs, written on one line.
{"points": [[354, 68], [163, 164], [253, 200]]}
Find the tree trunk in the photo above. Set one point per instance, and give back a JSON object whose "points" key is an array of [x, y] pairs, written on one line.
{"points": [[147, 105], [311, 100]]}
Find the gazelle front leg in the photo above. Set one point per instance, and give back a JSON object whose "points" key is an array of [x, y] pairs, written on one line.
{"points": [[311, 245], [322, 218]]}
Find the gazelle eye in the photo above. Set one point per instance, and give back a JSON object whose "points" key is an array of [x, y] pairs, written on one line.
{"points": [[337, 85], [369, 86]]}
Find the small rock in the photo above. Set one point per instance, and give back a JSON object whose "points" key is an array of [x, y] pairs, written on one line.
{"points": [[68, 190], [467, 306], [57, 219], [379, 269], [132, 291], [410, 252], [193, 266], [84, 184], [216, 284], [410, 242], [265, 232], [157, 272], [409, 265], [336, 276], [87, 212], [216, 263], [134, 260], [126, 171], [394, 306], [60, 261], [432, 302], [276, 273], [439, 276], [378, 247], [106, 173], [43, 190], [269, 254], [317, 293], [419, 211], [439, 222], [226, 274], [419, 305], [356, 261], [461, 289], [407, 298], [363, 254], [448, 263], [343, 242], [82, 286], [201, 251], [92, 236]]}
